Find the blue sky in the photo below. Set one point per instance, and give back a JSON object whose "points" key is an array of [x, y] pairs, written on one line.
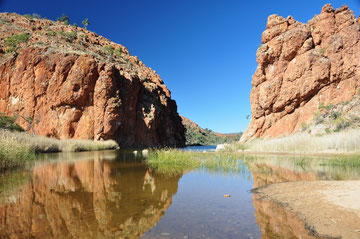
{"points": [[204, 50]]}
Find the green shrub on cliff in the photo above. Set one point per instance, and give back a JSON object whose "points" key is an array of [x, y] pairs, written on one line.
{"points": [[13, 42], [109, 50], [28, 16], [7, 122], [50, 33], [85, 23], [64, 19], [118, 52], [68, 36]]}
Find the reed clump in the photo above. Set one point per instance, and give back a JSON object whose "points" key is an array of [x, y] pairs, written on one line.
{"points": [[173, 161], [13, 155]]}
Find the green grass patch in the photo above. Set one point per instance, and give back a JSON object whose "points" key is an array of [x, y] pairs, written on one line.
{"points": [[12, 43], [118, 52], [326, 107], [344, 161], [108, 50], [50, 33], [175, 161], [283, 167]]}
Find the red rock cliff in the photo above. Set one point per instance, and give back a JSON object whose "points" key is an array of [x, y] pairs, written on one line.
{"points": [[301, 66], [74, 83]]}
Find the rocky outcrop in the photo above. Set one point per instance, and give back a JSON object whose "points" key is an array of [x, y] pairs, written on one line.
{"points": [[88, 199], [68, 82], [302, 66]]}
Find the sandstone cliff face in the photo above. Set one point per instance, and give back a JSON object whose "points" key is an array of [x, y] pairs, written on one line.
{"points": [[302, 66], [73, 83]]}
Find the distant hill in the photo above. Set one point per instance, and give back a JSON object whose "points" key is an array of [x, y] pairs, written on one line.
{"points": [[195, 135]]}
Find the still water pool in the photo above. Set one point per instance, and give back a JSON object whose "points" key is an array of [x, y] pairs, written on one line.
{"points": [[113, 194]]}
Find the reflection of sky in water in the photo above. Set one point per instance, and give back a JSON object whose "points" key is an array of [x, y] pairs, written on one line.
{"points": [[199, 209], [200, 148]]}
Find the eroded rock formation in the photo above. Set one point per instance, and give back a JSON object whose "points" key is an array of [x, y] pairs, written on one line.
{"points": [[73, 83], [302, 66]]}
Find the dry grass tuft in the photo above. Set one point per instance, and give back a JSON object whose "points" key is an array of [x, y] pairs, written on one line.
{"points": [[18, 147], [341, 142], [41, 144], [13, 155]]}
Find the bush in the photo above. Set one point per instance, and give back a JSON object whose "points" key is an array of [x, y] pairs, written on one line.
{"points": [[319, 119], [12, 42], [35, 15], [50, 33], [64, 19], [118, 52], [341, 124], [85, 23], [327, 107], [68, 36], [7, 122], [334, 115], [304, 126], [109, 50]]}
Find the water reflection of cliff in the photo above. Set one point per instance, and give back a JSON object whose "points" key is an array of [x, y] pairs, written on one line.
{"points": [[88, 199], [277, 169], [274, 220], [277, 222]]}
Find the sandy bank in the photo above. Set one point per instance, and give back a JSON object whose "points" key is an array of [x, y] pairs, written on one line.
{"points": [[331, 209]]}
